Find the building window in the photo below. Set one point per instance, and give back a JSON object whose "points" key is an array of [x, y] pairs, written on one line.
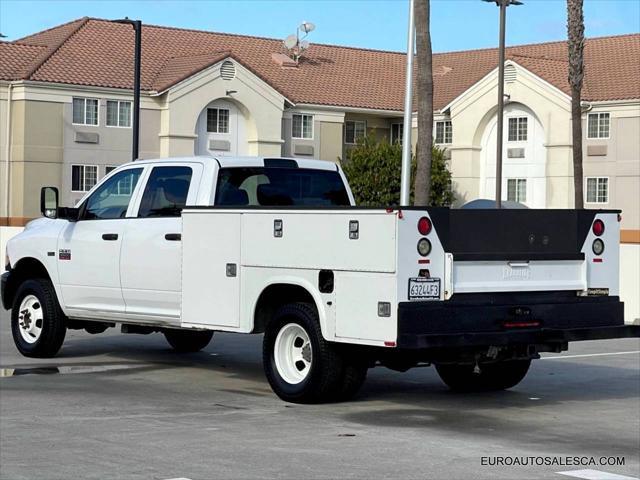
{"points": [[118, 113], [517, 190], [518, 129], [444, 132], [397, 131], [108, 169], [598, 125], [597, 190], [354, 131], [302, 126], [83, 177], [85, 111], [217, 120]]}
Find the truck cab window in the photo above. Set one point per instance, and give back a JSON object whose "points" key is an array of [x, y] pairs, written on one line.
{"points": [[112, 198], [239, 186], [165, 194]]}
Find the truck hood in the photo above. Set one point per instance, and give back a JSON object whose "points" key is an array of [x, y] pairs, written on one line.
{"points": [[38, 223]]}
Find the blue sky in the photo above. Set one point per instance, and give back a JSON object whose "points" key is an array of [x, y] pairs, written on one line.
{"points": [[380, 24]]}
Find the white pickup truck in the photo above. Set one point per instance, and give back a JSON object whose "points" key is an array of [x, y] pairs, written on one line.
{"points": [[189, 246]]}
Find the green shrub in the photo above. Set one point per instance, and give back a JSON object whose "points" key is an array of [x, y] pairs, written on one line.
{"points": [[373, 169], [441, 191]]}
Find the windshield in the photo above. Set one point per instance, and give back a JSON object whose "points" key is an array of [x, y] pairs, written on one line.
{"points": [[264, 186]]}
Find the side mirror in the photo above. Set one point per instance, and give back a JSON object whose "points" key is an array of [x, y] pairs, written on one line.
{"points": [[49, 202]]}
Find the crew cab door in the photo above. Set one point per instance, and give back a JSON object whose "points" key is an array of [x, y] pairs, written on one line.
{"points": [[152, 248], [89, 249]]}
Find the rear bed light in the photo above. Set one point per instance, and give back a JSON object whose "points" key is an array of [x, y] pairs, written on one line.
{"points": [[424, 247], [598, 246], [424, 226], [598, 228]]}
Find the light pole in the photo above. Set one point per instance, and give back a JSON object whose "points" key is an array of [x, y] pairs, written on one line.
{"points": [[503, 4], [137, 27], [405, 176]]}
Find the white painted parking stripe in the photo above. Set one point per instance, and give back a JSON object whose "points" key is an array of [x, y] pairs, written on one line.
{"points": [[596, 475], [181, 478], [591, 355]]}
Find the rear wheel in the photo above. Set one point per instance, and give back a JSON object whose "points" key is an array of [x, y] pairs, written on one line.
{"points": [[300, 365], [353, 377], [486, 377], [188, 341], [37, 322]]}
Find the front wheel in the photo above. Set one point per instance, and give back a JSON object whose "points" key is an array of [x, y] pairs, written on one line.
{"points": [[300, 365], [485, 376], [37, 322], [188, 341]]}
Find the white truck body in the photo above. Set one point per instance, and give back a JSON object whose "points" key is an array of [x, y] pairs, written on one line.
{"points": [[519, 280]]}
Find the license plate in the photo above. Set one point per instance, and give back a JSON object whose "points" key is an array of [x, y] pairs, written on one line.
{"points": [[421, 288]]}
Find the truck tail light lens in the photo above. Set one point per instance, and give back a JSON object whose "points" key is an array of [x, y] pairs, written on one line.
{"points": [[598, 228], [424, 226], [598, 246], [424, 247]]}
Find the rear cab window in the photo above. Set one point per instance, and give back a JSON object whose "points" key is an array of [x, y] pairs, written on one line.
{"points": [[166, 191], [271, 186]]}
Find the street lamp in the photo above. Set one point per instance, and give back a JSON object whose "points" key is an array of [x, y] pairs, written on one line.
{"points": [[503, 4], [137, 27]]}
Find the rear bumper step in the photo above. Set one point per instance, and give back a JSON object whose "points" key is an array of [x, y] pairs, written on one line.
{"points": [[499, 322]]}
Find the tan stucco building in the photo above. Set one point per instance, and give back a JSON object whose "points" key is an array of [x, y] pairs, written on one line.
{"points": [[65, 111]]}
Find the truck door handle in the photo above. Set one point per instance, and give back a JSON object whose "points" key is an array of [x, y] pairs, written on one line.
{"points": [[515, 264], [109, 236], [173, 237]]}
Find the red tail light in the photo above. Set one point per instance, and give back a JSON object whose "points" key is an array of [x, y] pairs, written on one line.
{"points": [[598, 228], [424, 226]]}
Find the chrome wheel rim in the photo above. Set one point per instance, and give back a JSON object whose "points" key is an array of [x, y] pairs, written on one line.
{"points": [[293, 353], [30, 319]]}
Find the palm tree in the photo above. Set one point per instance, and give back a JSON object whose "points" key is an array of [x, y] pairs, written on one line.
{"points": [[575, 31], [424, 94]]}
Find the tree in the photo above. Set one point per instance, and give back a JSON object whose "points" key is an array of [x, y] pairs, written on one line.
{"points": [[575, 31], [373, 170], [424, 94]]}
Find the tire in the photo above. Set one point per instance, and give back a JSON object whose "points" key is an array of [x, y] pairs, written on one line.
{"points": [[318, 375], [188, 341], [353, 377], [38, 325], [492, 376]]}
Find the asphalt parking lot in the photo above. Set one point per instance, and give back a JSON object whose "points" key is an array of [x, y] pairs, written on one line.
{"points": [[126, 406]]}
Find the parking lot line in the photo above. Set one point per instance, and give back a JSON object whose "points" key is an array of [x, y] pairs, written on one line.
{"points": [[589, 474], [590, 355]]}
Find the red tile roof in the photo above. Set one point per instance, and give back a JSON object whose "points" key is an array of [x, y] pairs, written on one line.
{"points": [[100, 53], [16, 60]]}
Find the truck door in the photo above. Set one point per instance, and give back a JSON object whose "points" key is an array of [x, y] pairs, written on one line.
{"points": [[152, 248], [89, 249]]}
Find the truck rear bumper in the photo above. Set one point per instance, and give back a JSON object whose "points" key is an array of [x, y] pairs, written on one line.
{"points": [[477, 320]]}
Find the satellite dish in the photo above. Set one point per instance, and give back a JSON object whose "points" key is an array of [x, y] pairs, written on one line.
{"points": [[307, 27], [290, 42], [304, 44]]}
